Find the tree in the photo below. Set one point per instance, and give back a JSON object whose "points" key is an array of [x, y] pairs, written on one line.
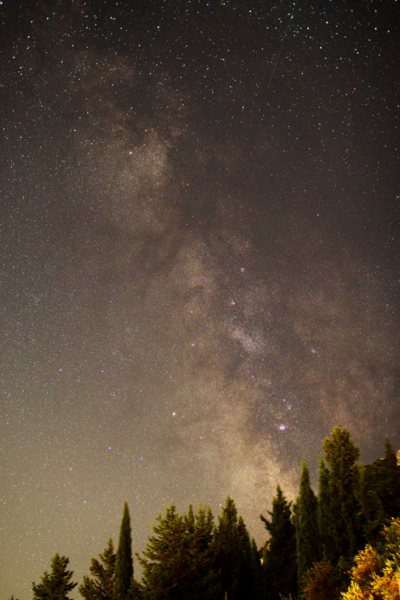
{"points": [[57, 584], [227, 547], [372, 513], [324, 581], [101, 587], [323, 506], [123, 572], [343, 507], [248, 575], [306, 523], [387, 477], [256, 568], [376, 573], [279, 556], [178, 562]]}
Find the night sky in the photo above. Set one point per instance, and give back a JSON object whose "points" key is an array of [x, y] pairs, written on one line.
{"points": [[199, 259]]}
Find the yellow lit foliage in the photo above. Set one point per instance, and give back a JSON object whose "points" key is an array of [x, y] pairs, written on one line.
{"points": [[376, 573]]}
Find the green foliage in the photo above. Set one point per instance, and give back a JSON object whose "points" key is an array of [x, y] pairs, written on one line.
{"points": [[101, 587], [342, 510], [178, 562], [123, 572], [136, 591], [308, 547], [279, 556], [57, 584]]}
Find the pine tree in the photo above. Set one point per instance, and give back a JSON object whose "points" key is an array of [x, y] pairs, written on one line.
{"points": [[57, 584], [343, 515], [101, 587], [256, 569], [247, 576], [227, 547], [279, 556], [178, 562], [306, 522], [123, 572]]}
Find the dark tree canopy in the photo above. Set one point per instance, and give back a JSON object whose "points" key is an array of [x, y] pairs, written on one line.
{"points": [[307, 533], [178, 562], [123, 572], [57, 584], [343, 526], [279, 556], [100, 587]]}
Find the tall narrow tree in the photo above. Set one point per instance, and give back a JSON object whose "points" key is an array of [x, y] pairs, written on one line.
{"points": [[247, 576], [343, 517], [307, 533], [123, 572], [279, 556], [57, 584]]}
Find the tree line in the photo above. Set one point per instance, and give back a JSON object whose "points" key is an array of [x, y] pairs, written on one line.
{"points": [[343, 544]]}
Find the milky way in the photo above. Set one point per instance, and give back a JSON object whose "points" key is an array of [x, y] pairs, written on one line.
{"points": [[200, 243]]}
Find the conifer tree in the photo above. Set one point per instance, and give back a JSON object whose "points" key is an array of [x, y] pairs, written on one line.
{"points": [[123, 572], [279, 556], [101, 586], [256, 569], [57, 584], [247, 576], [178, 562], [227, 547], [372, 513], [390, 490], [307, 532], [343, 515]]}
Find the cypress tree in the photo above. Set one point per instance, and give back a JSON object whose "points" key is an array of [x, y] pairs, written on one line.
{"points": [[101, 586], [306, 522], [343, 515], [57, 584], [279, 556], [123, 572]]}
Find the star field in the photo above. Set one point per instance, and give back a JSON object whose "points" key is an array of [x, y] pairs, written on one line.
{"points": [[200, 249]]}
